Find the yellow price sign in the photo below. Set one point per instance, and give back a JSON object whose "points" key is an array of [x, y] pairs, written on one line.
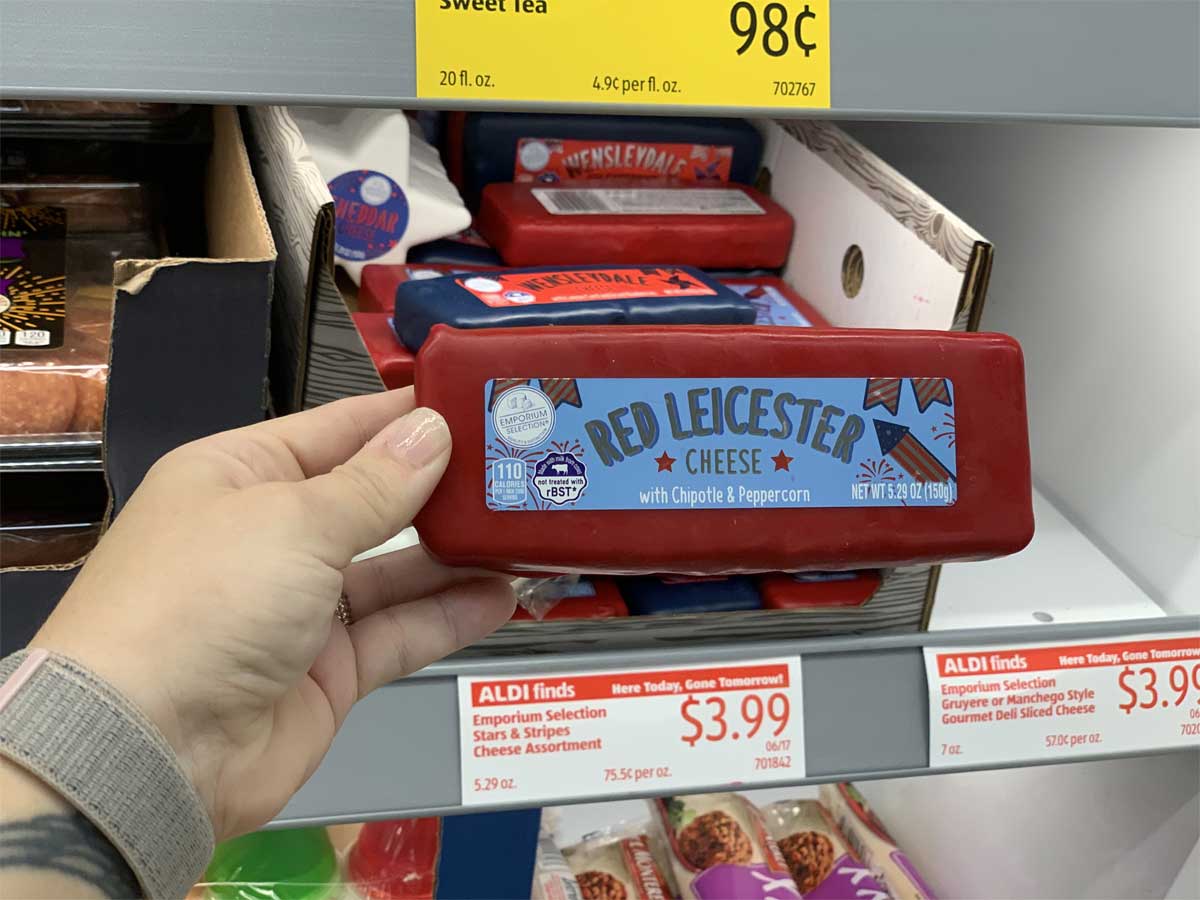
{"points": [[743, 53]]}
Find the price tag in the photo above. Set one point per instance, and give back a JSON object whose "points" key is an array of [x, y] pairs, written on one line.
{"points": [[750, 53], [1057, 701], [654, 730]]}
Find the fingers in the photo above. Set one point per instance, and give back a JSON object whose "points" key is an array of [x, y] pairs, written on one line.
{"points": [[314, 441], [398, 640], [399, 577], [377, 492]]}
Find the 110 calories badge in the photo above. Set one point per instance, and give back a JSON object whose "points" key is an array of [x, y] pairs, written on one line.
{"points": [[1046, 702], [655, 730]]}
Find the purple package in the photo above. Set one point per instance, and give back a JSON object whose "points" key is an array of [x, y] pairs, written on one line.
{"points": [[818, 856], [719, 847]]}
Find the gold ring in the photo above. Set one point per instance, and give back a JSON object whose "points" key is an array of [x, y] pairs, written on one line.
{"points": [[342, 611]]}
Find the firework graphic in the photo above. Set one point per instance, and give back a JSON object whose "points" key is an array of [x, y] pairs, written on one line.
{"points": [[897, 442], [32, 218], [875, 471], [929, 391], [499, 450], [883, 392], [944, 430], [31, 301]]}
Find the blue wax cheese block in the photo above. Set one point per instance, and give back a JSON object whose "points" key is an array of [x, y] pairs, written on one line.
{"points": [[567, 295], [543, 148], [466, 248], [667, 595]]}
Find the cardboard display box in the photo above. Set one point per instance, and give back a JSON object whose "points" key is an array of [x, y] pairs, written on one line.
{"points": [[188, 357], [870, 249]]}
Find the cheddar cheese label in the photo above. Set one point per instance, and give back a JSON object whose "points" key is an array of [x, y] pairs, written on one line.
{"points": [[738, 443], [548, 160], [581, 285], [371, 214]]}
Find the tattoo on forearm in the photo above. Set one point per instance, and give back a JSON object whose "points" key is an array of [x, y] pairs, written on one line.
{"points": [[68, 844]]}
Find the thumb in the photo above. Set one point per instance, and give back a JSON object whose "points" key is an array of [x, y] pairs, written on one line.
{"points": [[377, 492]]}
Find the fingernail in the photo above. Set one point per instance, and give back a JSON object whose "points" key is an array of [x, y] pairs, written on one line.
{"points": [[417, 438]]}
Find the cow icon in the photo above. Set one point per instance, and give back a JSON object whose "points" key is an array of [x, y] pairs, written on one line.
{"points": [[559, 468]]}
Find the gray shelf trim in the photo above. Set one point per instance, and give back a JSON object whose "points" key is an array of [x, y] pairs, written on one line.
{"points": [[1113, 61], [865, 716]]}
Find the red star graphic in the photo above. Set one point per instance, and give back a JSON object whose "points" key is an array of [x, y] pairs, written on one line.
{"points": [[782, 461], [665, 462]]}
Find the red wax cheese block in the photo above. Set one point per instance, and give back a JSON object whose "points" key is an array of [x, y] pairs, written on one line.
{"points": [[776, 303], [726, 449], [723, 227], [604, 602], [377, 292], [392, 359], [817, 590]]}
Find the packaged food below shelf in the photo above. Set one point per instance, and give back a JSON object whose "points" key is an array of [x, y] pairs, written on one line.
{"points": [[56, 273], [107, 120], [173, 376], [482, 855]]}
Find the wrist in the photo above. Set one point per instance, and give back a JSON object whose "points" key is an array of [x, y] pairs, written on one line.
{"points": [[91, 745]]}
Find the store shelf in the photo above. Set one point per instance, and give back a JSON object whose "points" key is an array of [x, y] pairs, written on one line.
{"points": [[32, 455], [1135, 61], [865, 711], [391, 756]]}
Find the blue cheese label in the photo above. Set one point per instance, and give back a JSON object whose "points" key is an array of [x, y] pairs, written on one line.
{"points": [[736, 443]]}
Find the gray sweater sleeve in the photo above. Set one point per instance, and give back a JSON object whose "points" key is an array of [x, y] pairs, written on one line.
{"points": [[93, 746]]}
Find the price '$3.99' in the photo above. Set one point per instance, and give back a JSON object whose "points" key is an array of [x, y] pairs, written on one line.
{"points": [[711, 720], [1142, 689]]}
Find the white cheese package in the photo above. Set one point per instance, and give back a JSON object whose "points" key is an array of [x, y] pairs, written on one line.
{"points": [[719, 847], [872, 843], [817, 854], [389, 188]]}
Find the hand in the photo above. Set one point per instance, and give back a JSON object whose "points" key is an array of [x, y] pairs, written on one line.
{"points": [[210, 602]]}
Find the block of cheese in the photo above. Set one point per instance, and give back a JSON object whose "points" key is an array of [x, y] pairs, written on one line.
{"points": [[720, 450], [393, 360], [775, 302], [547, 148], [670, 595], [566, 295], [465, 248], [377, 293], [589, 598], [716, 227], [817, 590]]}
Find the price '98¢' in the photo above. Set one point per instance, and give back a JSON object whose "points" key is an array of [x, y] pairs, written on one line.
{"points": [[775, 37]]}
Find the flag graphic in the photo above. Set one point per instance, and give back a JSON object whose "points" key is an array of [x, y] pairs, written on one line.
{"points": [[883, 392], [560, 391], [929, 391], [897, 443], [500, 385]]}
